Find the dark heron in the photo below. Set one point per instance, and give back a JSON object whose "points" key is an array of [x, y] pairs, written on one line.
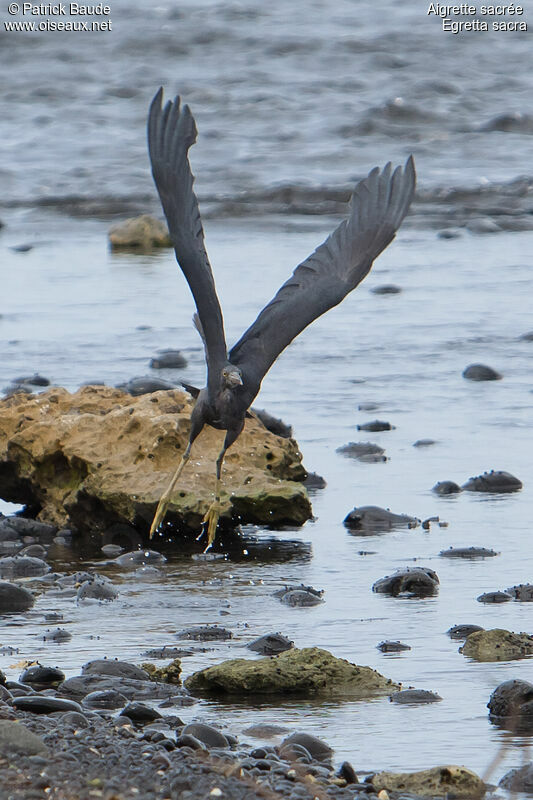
{"points": [[378, 206]]}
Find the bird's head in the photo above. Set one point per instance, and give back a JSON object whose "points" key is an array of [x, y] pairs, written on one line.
{"points": [[231, 377]]}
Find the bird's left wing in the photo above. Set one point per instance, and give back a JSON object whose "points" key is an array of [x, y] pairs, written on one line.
{"points": [[379, 204], [171, 132]]}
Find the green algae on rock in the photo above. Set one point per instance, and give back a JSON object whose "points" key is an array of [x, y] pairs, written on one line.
{"points": [[438, 781], [310, 671], [497, 645]]}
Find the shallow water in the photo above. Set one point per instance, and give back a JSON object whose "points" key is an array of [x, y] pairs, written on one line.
{"points": [[275, 93]]}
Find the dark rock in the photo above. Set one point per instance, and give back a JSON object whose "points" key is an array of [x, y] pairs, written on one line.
{"points": [[168, 359], [167, 651], [22, 567], [119, 669], [493, 481], [392, 647], [145, 385], [108, 699], [480, 372], [494, 597], [523, 592], [386, 288], [81, 685], [318, 749], [468, 552], [511, 706], [17, 739], [271, 644], [519, 779], [40, 677], [363, 451], [42, 704], [409, 582], [509, 122], [369, 519], [527, 337], [375, 425], [32, 527], [273, 424], [187, 740], [101, 591], [368, 406], [347, 773], [462, 631], [314, 481], [139, 713], [14, 598], [300, 598], [205, 633], [206, 734], [33, 551], [446, 487], [424, 442], [449, 233], [295, 752], [415, 696], [58, 636], [138, 558], [32, 380], [74, 579]]}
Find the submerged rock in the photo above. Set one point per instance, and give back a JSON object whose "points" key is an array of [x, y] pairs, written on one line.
{"points": [[145, 385], [22, 567], [392, 647], [316, 748], [98, 457], [415, 697], [386, 288], [139, 233], [300, 595], [511, 706], [493, 481], [369, 519], [438, 781], [271, 644], [480, 372], [308, 672], [363, 451], [446, 487], [468, 552], [205, 633], [497, 645], [168, 359], [519, 779], [494, 597], [375, 425], [99, 591], [462, 631], [409, 582]]}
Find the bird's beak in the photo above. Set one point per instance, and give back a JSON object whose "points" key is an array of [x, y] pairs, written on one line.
{"points": [[234, 380]]}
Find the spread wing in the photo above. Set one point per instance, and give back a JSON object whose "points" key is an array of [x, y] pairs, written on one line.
{"points": [[379, 204], [171, 132]]}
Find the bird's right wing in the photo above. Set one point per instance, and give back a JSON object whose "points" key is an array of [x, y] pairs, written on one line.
{"points": [[379, 204], [171, 132]]}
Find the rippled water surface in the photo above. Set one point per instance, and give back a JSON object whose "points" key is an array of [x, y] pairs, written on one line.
{"points": [[304, 95]]}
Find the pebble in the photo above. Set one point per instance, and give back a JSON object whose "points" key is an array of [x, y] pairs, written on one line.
{"points": [[108, 699], [41, 677], [41, 704], [314, 746], [140, 713], [207, 734]]}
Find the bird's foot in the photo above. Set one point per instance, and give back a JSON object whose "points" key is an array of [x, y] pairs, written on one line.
{"points": [[160, 513], [210, 521]]}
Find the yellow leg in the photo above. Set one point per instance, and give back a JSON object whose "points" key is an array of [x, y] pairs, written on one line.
{"points": [[212, 516], [166, 496]]}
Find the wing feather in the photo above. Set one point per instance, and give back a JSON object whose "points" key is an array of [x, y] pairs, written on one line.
{"points": [[171, 132], [379, 204]]}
